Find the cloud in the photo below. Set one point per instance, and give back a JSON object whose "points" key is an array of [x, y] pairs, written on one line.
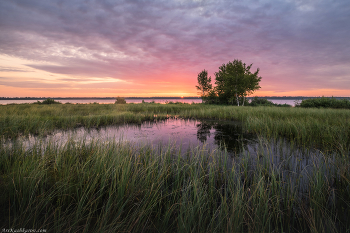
{"points": [[136, 40], [12, 69], [31, 84], [87, 83]]}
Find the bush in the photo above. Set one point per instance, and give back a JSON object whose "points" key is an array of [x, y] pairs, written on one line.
{"points": [[48, 101], [120, 100], [283, 105], [260, 102], [324, 102], [264, 102]]}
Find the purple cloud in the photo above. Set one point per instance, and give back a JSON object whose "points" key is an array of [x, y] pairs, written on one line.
{"points": [[291, 41]]}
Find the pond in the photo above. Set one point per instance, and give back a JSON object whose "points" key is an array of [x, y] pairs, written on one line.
{"points": [[184, 135], [226, 138], [180, 133]]}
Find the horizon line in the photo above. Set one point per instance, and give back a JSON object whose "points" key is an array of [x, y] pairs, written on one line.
{"points": [[164, 97]]}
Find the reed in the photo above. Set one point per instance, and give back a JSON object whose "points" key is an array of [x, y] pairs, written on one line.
{"points": [[115, 186]]}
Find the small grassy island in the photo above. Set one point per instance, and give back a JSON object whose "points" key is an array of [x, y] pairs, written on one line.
{"points": [[117, 187]]}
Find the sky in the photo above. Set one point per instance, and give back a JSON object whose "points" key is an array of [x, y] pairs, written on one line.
{"points": [[144, 48]]}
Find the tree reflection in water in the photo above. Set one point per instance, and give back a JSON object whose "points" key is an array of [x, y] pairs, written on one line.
{"points": [[229, 135], [203, 131]]}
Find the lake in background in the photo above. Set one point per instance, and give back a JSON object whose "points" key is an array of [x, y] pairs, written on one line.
{"points": [[283, 100], [136, 101]]}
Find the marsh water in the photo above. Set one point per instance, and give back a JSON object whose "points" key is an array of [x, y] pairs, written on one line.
{"points": [[186, 137], [177, 133], [183, 136]]}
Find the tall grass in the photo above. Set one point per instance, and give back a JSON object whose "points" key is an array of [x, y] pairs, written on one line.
{"points": [[116, 187], [27, 119]]}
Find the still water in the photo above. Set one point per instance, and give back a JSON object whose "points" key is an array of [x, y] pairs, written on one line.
{"points": [[136, 101], [193, 137], [179, 134]]}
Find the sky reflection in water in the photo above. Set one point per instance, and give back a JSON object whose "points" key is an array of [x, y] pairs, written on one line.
{"points": [[180, 133], [185, 135]]}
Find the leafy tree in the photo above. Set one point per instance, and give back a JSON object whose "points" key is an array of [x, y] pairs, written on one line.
{"points": [[204, 84], [235, 81], [212, 97]]}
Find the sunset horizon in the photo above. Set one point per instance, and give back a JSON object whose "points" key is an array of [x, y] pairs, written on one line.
{"points": [[155, 48]]}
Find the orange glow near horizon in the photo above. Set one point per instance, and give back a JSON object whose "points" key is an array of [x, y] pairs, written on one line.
{"points": [[28, 92], [21, 80], [98, 50]]}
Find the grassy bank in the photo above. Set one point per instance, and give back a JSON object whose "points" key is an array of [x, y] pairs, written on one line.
{"points": [[115, 187], [322, 128]]}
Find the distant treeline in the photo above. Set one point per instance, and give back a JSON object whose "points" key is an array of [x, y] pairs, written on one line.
{"points": [[56, 98], [192, 97], [82, 98]]}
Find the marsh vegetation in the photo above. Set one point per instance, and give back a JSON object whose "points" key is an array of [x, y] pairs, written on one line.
{"points": [[297, 179]]}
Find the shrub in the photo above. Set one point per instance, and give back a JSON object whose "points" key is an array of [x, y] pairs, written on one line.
{"points": [[48, 101], [260, 101], [324, 102], [264, 102], [283, 105], [120, 100]]}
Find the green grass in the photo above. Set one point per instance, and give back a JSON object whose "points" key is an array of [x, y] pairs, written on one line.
{"points": [[118, 187], [322, 128], [115, 187], [16, 120]]}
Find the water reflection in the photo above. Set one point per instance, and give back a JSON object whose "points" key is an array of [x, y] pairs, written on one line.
{"points": [[180, 133], [203, 131], [185, 135], [229, 135]]}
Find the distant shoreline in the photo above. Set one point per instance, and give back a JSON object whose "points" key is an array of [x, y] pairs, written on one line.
{"points": [[146, 98], [89, 98]]}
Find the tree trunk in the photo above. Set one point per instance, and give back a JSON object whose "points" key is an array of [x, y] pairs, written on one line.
{"points": [[237, 99]]}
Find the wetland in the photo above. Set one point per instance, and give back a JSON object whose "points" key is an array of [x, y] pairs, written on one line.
{"points": [[174, 167]]}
